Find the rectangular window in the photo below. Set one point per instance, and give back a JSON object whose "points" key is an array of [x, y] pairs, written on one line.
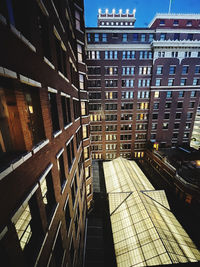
{"points": [[110, 117], [150, 37], [170, 82], [66, 110], [128, 55], [96, 37], [48, 195], [86, 153], [158, 82], [111, 128], [127, 94], [169, 94], [80, 53], [159, 70], [111, 83], [124, 37], [181, 94], [85, 131], [110, 106], [126, 106], [54, 111], [135, 37], [162, 36], [143, 38], [176, 36], [197, 69], [104, 37], [81, 81], [126, 117], [77, 20], [111, 95], [70, 154], [172, 69], [185, 69], [183, 82], [95, 95], [143, 94], [77, 111], [61, 170], [196, 81], [126, 127], [193, 94]]}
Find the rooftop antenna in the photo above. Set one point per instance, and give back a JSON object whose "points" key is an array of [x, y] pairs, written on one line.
{"points": [[170, 3]]}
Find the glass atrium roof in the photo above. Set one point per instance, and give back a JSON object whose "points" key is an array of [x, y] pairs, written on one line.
{"points": [[145, 231]]}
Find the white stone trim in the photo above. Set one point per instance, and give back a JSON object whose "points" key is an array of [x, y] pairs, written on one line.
{"points": [[67, 143], [49, 63], [52, 90], [42, 246], [40, 146], [63, 76], [59, 153], [43, 8], [54, 214], [57, 133], [3, 232], [29, 81], [57, 232], [8, 73], [3, 19], [68, 125], [63, 94], [46, 171], [74, 98]]}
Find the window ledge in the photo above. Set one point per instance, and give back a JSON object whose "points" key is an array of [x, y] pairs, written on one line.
{"points": [[63, 187], [22, 38], [15, 164], [77, 119], [53, 216], [74, 87], [63, 76], [40, 146], [68, 125], [8, 73], [49, 63], [57, 133]]}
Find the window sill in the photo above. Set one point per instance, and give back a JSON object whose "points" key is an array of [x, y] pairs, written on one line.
{"points": [[40, 146], [57, 133], [53, 216], [14, 164], [67, 126], [49, 63], [63, 187]]}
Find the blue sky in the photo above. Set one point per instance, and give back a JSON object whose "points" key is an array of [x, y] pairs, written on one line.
{"points": [[145, 9]]}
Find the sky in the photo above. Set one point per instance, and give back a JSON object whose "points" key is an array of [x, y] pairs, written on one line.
{"points": [[145, 9]]}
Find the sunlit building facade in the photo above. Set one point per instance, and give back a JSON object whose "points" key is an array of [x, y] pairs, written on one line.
{"points": [[143, 83], [45, 163]]}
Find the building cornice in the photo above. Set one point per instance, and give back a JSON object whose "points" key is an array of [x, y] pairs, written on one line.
{"points": [[123, 30], [174, 16], [176, 43], [118, 47]]}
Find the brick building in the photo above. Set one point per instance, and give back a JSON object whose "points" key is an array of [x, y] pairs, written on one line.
{"points": [[45, 168], [143, 83]]}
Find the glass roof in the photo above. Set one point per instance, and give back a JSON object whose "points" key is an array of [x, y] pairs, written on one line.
{"points": [[145, 231]]}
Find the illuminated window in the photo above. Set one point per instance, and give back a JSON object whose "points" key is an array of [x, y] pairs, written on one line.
{"points": [[86, 153], [85, 131], [156, 94], [80, 52]]}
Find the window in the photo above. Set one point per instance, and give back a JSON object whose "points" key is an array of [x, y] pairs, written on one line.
{"points": [[110, 54], [189, 23], [110, 106], [172, 69], [166, 116], [155, 116], [124, 37], [128, 83], [54, 111], [181, 94], [66, 110], [145, 55], [162, 36], [197, 69], [96, 138], [85, 131], [178, 115], [86, 153], [169, 94], [78, 138], [94, 83], [143, 37], [170, 82], [125, 146], [111, 137], [176, 36], [187, 125], [104, 37], [48, 196], [183, 82], [185, 70], [189, 115], [94, 70], [87, 171], [165, 125], [93, 54], [81, 81], [110, 128], [141, 126], [156, 94], [161, 54], [111, 70], [188, 54], [144, 82], [139, 136], [94, 95], [74, 188], [196, 81], [143, 105], [168, 105], [96, 147], [127, 94], [150, 37], [111, 95], [179, 104], [128, 54], [176, 125], [70, 154], [159, 70], [126, 106], [126, 117], [80, 53], [94, 106], [95, 117], [156, 106], [144, 70], [158, 82], [186, 135], [176, 23], [175, 135], [143, 94], [96, 37], [193, 94], [61, 170], [191, 104], [135, 37], [126, 127], [89, 37], [142, 116], [28, 227], [110, 117], [77, 111], [111, 83], [154, 126], [111, 146], [95, 128], [128, 70], [84, 108], [125, 137], [77, 20], [174, 54], [162, 22]]}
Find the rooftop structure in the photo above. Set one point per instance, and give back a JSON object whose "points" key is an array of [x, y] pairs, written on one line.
{"points": [[114, 19], [145, 231]]}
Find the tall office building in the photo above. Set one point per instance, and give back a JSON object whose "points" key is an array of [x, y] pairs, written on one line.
{"points": [[45, 177], [143, 83]]}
